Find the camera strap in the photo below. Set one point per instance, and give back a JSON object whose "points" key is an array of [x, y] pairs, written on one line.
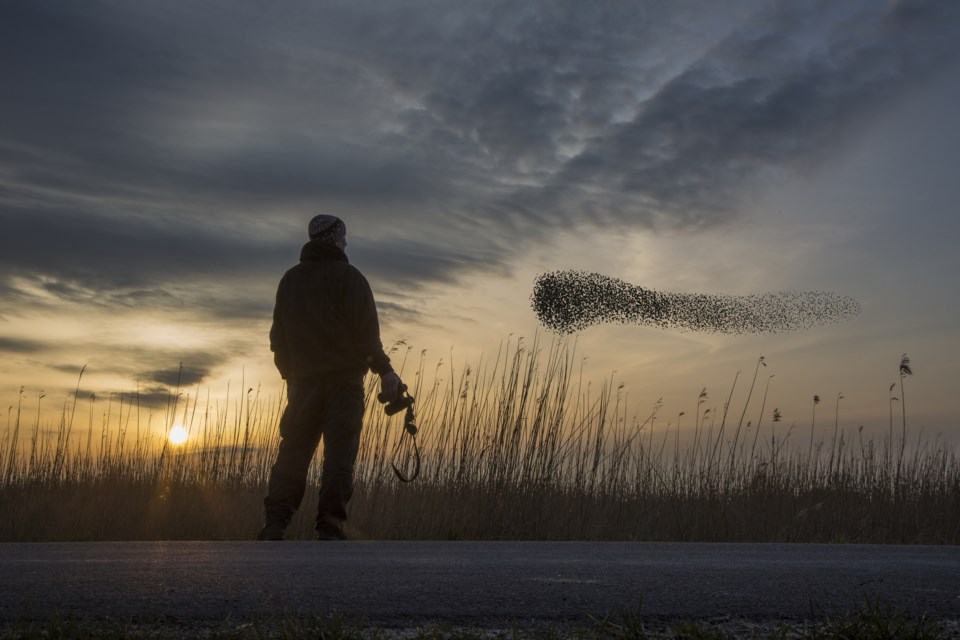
{"points": [[406, 448]]}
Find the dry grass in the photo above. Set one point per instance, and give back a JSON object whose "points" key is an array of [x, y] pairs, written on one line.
{"points": [[519, 447]]}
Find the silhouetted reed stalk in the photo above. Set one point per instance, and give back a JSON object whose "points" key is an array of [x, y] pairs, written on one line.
{"points": [[519, 446], [893, 399], [763, 405], [718, 445], [905, 371], [746, 405], [697, 423], [813, 423], [834, 453]]}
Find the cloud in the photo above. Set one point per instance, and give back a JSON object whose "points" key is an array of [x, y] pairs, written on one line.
{"points": [[152, 397], [782, 92], [188, 365], [181, 377], [158, 156], [133, 119], [394, 312], [409, 265], [101, 251], [19, 345]]}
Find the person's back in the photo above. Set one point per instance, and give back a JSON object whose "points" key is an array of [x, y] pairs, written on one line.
{"points": [[325, 318], [325, 336]]}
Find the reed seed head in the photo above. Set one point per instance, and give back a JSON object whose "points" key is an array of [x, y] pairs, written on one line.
{"points": [[905, 369]]}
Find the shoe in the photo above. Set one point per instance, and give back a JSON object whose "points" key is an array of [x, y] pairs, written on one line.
{"points": [[271, 532], [330, 533]]}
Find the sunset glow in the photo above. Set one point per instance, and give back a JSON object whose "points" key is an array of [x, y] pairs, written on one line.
{"points": [[178, 435]]}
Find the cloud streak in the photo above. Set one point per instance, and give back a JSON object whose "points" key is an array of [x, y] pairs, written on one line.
{"points": [[156, 366], [781, 92], [19, 345]]}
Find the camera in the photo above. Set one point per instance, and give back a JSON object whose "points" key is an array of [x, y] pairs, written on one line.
{"points": [[403, 401]]}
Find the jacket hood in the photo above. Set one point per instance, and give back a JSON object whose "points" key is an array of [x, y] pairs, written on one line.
{"points": [[317, 250]]}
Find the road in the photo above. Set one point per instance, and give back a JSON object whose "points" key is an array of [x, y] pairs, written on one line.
{"points": [[480, 584]]}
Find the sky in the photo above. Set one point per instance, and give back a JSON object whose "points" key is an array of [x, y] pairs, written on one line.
{"points": [[159, 162]]}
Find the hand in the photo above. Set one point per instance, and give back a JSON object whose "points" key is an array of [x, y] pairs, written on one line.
{"points": [[390, 387]]}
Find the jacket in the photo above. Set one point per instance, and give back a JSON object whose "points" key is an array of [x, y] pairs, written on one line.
{"points": [[325, 319]]}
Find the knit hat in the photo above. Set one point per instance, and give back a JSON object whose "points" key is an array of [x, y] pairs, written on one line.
{"points": [[330, 229]]}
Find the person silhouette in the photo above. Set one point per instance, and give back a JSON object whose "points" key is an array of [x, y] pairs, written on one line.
{"points": [[325, 336]]}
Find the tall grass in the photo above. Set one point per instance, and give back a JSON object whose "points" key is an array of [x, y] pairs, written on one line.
{"points": [[518, 447]]}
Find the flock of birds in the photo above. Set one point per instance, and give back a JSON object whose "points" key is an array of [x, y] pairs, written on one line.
{"points": [[570, 301]]}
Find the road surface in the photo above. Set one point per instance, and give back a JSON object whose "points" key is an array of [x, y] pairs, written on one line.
{"points": [[477, 584]]}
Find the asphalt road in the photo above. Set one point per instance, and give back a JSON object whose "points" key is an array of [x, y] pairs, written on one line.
{"points": [[485, 584]]}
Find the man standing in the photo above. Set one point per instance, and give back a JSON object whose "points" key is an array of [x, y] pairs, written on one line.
{"points": [[325, 336]]}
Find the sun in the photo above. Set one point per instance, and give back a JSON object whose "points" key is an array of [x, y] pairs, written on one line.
{"points": [[178, 435]]}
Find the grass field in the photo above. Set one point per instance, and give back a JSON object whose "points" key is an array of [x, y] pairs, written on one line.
{"points": [[872, 621], [518, 447]]}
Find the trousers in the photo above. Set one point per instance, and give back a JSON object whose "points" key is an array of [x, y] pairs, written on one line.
{"points": [[317, 409]]}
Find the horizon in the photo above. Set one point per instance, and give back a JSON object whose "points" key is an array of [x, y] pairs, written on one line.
{"points": [[184, 416]]}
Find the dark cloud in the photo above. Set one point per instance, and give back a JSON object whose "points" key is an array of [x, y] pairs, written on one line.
{"points": [[138, 105], [152, 398], [395, 312], [144, 395], [180, 377], [782, 92], [169, 155], [138, 363], [19, 345], [72, 369], [179, 117], [193, 367], [77, 404], [100, 252], [136, 263], [404, 267]]}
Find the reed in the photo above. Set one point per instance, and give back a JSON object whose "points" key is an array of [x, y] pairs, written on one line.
{"points": [[519, 446]]}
